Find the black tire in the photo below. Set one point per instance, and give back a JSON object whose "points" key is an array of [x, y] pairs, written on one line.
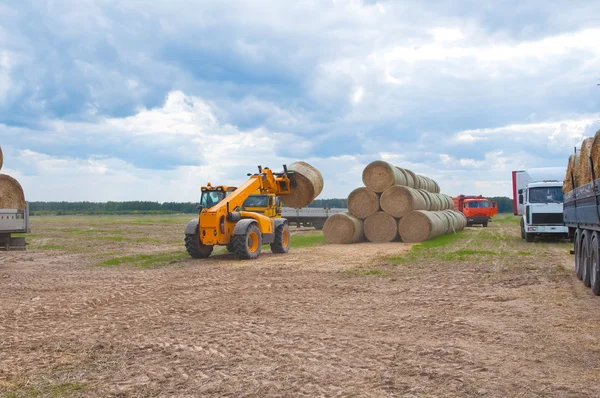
{"points": [[196, 249], [594, 266], [577, 249], [485, 224], [585, 258], [281, 244], [318, 225], [230, 248], [522, 229], [248, 245], [529, 237]]}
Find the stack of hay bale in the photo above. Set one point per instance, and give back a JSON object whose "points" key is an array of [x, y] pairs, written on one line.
{"points": [[395, 203], [578, 168], [11, 192]]}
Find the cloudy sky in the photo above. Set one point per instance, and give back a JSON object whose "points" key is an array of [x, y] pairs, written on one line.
{"points": [[135, 100]]}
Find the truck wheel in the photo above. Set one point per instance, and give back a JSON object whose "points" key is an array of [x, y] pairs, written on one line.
{"points": [[594, 267], [485, 224], [230, 247], [196, 249], [585, 258], [577, 249], [248, 245], [282, 239], [529, 237], [318, 225], [522, 229]]}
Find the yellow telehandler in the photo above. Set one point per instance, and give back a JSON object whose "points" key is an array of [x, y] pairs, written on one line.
{"points": [[223, 221]]}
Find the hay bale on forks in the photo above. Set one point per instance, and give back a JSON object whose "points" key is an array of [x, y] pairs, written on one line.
{"points": [[11, 193], [309, 184], [343, 228]]}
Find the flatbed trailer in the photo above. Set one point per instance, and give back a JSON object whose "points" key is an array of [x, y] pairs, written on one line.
{"points": [[309, 216], [13, 221], [581, 213]]}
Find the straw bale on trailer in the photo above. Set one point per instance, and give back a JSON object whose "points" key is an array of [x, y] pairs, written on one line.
{"points": [[583, 169], [11, 193], [381, 227], [595, 153], [422, 225], [379, 175], [343, 228], [1, 158], [309, 184], [362, 202], [572, 169]]}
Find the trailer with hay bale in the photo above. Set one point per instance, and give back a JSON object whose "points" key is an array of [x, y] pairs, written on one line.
{"points": [[223, 221], [14, 212], [581, 211]]}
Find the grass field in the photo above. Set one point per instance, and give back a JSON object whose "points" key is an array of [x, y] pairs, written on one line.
{"points": [[113, 306]]}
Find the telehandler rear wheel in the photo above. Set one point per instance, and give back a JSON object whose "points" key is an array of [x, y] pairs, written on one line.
{"points": [[282, 239], [195, 248], [248, 245]]}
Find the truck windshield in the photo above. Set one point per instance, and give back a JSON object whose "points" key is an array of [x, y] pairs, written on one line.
{"points": [[481, 204], [255, 201], [211, 198], [545, 195]]}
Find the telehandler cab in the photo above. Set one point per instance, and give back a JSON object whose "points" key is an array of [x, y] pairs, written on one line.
{"points": [[222, 221]]}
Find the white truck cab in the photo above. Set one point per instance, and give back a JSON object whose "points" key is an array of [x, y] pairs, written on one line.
{"points": [[539, 202]]}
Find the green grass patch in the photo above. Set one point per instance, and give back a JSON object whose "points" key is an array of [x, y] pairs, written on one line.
{"points": [[507, 218], [367, 272], [55, 391], [307, 240], [111, 238], [53, 247], [146, 260], [524, 253]]}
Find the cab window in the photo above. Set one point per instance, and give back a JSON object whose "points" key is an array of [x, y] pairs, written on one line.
{"points": [[211, 198]]}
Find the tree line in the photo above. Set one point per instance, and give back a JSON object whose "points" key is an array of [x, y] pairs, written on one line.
{"points": [[146, 207]]}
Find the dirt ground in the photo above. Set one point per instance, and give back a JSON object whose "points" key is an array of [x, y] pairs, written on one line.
{"points": [[500, 318]]}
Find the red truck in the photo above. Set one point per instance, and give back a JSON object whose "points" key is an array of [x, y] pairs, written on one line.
{"points": [[477, 209]]}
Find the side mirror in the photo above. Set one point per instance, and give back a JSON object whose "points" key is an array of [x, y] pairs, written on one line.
{"points": [[520, 192], [199, 207], [521, 197]]}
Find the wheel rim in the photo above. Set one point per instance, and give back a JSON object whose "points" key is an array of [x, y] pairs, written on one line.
{"points": [[286, 238], [252, 241]]}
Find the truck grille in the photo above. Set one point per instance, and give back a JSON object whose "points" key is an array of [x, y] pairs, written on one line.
{"points": [[547, 218]]}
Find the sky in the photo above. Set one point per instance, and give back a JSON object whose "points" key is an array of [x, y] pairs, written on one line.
{"points": [[133, 100]]}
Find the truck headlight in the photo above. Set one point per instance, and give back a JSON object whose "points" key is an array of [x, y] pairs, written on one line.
{"points": [[532, 229]]}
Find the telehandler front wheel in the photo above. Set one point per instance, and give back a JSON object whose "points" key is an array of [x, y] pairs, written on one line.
{"points": [[282, 239], [195, 248], [248, 245]]}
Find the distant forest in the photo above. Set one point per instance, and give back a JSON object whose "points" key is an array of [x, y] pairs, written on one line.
{"points": [[141, 207]]}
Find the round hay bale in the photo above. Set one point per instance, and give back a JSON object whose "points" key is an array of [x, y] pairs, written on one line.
{"points": [[379, 175], [309, 184], [419, 226], [426, 198], [414, 178], [450, 220], [380, 227], [436, 187], [407, 177], [595, 153], [462, 219], [1, 158], [11, 193], [343, 228], [362, 202], [571, 174], [583, 170], [398, 201]]}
